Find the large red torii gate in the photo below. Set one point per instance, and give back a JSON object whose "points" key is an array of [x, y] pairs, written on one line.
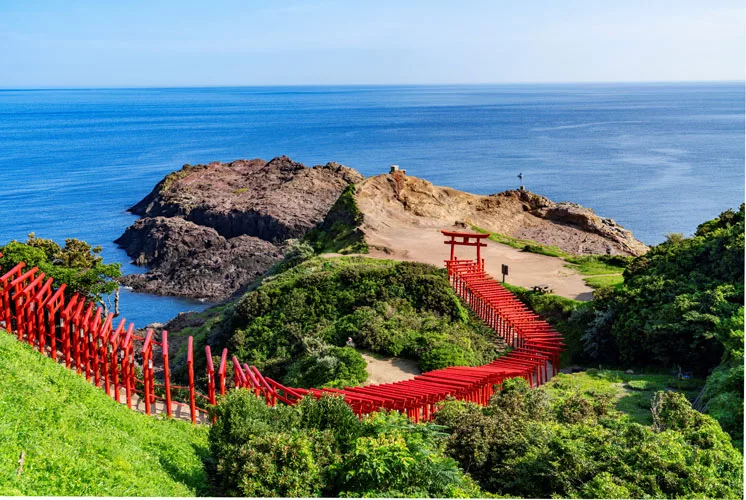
{"points": [[466, 240]]}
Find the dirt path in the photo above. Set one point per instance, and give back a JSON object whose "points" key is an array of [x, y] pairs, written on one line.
{"points": [[425, 244], [383, 370]]}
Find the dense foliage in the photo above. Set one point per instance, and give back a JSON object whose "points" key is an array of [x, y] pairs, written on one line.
{"points": [[78, 441], [681, 302], [297, 324], [319, 447], [529, 444], [77, 264], [339, 232], [681, 307]]}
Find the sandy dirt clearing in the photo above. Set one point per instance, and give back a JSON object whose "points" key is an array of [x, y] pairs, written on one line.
{"points": [[425, 244], [382, 370]]}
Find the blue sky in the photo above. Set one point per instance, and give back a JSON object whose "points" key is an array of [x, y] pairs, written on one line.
{"points": [[97, 43]]}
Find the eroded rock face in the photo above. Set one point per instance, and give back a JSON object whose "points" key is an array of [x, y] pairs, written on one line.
{"points": [[191, 260], [208, 230], [401, 201], [620, 239], [273, 200]]}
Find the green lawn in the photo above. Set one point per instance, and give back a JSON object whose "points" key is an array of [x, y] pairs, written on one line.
{"points": [[525, 245], [78, 441], [633, 392], [597, 273], [613, 280]]}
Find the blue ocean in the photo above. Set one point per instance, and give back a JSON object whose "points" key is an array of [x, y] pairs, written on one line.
{"points": [[657, 158]]}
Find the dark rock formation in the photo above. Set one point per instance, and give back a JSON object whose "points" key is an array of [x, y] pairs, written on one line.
{"points": [[208, 230], [273, 200], [192, 260]]}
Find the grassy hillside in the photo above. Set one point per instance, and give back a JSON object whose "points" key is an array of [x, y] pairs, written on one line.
{"points": [[599, 271], [295, 325], [78, 441], [631, 394]]}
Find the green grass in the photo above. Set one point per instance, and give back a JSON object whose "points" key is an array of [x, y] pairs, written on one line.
{"points": [[525, 245], [633, 392], [600, 271], [597, 270], [78, 441], [593, 265], [597, 282]]}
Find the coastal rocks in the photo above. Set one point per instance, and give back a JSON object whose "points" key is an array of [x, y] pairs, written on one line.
{"points": [[395, 202], [585, 219], [208, 230], [191, 260], [273, 200]]}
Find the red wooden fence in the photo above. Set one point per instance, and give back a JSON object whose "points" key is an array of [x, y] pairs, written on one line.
{"points": [[77, 333]]}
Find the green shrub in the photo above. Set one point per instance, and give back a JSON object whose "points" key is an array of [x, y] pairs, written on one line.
{"points": [[77, 264], [681, 307], [279, 464], [392, 308], [332, 367], [525, 444], [443, 355], [319, 447]]}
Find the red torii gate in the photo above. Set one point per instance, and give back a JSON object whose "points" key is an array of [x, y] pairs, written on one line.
{"points": [[466, 240]]}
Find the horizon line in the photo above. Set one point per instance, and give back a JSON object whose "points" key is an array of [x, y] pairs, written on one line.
{"points": [[306, 85]]}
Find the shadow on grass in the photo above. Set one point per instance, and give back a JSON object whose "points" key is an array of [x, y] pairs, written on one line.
{"points": [[195, 478]]}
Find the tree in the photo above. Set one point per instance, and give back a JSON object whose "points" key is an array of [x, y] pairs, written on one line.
{"points": [[681, 307], [77, 264]]}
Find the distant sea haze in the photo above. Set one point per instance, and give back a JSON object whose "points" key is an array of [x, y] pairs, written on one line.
{"points": [[657, 158]]}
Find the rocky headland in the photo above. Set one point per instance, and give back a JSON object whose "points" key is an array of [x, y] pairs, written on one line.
{"points": [[398, 201], [207, 231]]}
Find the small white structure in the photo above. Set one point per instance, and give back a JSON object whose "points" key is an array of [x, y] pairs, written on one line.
{"points": [[395, 168]]}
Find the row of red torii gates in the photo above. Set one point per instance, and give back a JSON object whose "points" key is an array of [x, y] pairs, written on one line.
{"points": [[75, 331]]}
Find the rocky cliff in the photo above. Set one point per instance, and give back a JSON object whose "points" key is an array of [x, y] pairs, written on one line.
{"points": [[207, 230], [398, 201]]}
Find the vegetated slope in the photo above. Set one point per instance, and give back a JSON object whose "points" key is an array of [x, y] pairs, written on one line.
{"points": [[320, 448], [295, 326], [78, 441], [681, 307], [340, 231], [397, 201]]}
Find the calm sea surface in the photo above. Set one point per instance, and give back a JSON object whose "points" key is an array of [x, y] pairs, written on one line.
{"points": [[657, 158]]}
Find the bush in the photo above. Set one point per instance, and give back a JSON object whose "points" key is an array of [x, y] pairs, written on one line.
{"points": [[296, 252], [681, 307], [332, 367], [527, 445], [443, 355], [319, 447], [77, 264]]}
